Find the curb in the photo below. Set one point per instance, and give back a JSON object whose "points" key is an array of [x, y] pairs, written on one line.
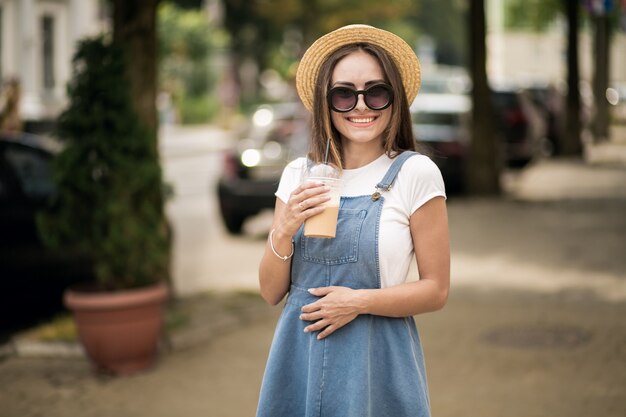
{"points": [[51, 349], [209, 317], [607, 153]]}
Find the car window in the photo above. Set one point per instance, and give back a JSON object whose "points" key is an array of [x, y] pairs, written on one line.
{"points": [[445, 119], [32, 169]]}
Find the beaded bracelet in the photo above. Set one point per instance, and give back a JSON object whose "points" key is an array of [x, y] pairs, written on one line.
{"points": [[283, 258]]}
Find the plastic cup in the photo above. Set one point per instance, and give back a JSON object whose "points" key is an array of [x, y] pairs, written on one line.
{"points": [[324, 224]]}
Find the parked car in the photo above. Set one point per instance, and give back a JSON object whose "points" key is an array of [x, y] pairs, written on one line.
{"points": [[33, 276], [520, 125], [251, 170], [440, 124]]}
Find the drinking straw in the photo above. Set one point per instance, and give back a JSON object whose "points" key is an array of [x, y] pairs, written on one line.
{"points": [[327, 148]]}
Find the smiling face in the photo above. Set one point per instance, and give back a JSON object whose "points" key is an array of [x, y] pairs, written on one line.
{"points": [[362, 126]]}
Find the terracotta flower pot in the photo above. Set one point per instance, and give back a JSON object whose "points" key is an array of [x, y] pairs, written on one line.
{"points": [[120, 330]]}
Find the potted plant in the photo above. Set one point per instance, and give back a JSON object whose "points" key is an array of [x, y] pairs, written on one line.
{"points": [[109, 204]]}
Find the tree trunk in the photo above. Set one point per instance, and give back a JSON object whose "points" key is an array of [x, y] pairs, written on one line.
{"points": [[134, 26], [601, 77], [483, 174], [571, 144]]}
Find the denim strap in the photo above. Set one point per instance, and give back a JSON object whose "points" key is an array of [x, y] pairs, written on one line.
{"points": [[390, 176]]}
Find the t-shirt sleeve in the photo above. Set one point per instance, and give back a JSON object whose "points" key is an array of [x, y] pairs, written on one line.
{"points": [[424, 182], [290, 179]]}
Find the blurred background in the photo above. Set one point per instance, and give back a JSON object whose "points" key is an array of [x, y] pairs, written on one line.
{"points": [[522, 106]]}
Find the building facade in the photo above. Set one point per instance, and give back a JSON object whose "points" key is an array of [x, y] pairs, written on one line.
{"points": [[37, 42]]}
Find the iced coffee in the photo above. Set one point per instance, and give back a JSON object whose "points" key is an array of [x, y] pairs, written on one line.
{"points": [[324, 224]]}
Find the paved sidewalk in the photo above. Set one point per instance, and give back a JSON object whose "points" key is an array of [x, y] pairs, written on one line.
{"points": [[489, 353], [534, 326]]}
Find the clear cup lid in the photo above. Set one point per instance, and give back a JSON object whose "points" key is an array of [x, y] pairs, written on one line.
{"points": [[323, 171]]}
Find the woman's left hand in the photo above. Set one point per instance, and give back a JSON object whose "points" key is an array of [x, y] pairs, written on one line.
{"points": [[337, 307]]}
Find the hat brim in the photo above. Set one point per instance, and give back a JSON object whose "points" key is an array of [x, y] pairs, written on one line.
{"points": [[402, 54]]}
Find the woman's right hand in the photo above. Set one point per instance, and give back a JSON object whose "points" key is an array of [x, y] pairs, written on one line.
{"points": [[274, 273], [304, 202]]}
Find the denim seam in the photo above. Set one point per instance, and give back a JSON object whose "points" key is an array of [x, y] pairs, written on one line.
{"points": [[379, 209], [322, 378]]}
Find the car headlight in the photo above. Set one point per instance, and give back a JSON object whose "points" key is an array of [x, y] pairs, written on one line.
{"points": [[250, 157]]}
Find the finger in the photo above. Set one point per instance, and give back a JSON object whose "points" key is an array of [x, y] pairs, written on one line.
{"points": [[310, 184], [311, 316], [327, 331], [321, 291], [313, 202], [312, 191], [318, 325], [305, 191], [310, 308]]}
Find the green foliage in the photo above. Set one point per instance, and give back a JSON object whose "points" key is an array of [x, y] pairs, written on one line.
{"points": [[198, 109], [537, 15], [187, 43], [109, 190], [445, 22], [274, 33]]}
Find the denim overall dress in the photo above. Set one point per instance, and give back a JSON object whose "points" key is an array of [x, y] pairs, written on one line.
{"points": [[374, 365]]}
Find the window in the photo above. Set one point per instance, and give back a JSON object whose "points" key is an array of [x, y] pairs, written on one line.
{"points": [[33, 171], [1, 43], [47, 35]]}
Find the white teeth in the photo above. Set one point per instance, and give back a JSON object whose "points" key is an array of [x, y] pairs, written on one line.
{"points": [[361, 119]]}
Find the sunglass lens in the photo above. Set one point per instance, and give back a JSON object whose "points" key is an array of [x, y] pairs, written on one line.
{"points": [[343, 99], [377, 97]]}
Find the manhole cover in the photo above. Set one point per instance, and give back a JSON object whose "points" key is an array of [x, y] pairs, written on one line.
{"points": [[538, 336]]}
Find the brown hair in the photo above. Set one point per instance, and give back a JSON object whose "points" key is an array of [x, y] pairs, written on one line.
{"points": [[398, 136]]}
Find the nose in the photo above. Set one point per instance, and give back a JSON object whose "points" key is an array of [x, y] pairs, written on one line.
{"points": [[360, 102]]}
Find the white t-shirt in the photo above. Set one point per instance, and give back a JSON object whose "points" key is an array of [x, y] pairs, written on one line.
{"points": [[418, 181]]}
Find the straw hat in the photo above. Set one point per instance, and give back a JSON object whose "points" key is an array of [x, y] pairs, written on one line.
{"points": [[401, 53]]}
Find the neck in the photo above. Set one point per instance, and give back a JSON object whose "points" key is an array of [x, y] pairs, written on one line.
{"points": [[358, 155]]}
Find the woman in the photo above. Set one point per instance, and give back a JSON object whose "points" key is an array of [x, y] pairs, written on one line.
{"points": [[346, 343]]}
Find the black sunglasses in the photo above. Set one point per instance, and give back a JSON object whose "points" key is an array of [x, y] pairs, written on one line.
{"points": [[343, 99]]}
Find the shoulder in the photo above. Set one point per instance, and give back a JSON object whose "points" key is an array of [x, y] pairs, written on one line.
{"points": [[290, 178], [420, 166], [297, 163], [418, 181], [295, 168]]}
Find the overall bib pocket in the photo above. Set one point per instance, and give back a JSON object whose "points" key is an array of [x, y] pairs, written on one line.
{"points": [[340, 250]]}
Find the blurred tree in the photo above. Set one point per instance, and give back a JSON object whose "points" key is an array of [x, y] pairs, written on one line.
{"points": [[534, 14], [539, 15], [108, 200], [273, 33], [252, 37], [445, 22], [484, 163], [604, 18], [187, 41], [571, 143], [134, 27]]}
